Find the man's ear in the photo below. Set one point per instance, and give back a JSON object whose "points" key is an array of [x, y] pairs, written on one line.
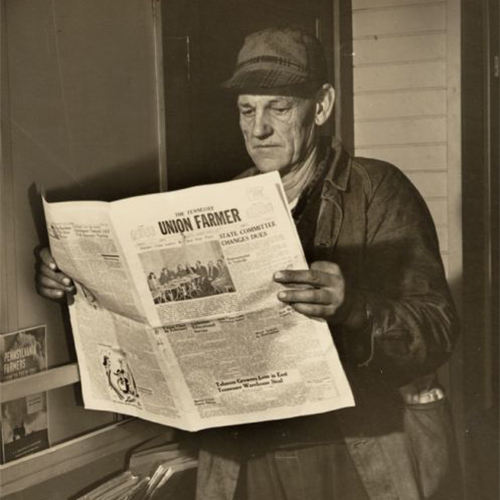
{"points": [[325, 98]]}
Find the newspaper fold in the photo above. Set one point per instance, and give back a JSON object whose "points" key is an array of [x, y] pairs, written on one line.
{"points": [[177, 320]]}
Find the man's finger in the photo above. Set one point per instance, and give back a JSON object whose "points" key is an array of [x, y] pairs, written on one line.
{"points": [[47, 259], [50, 293], [314, 310], [306, 277], [60, 277], [310, 296], [326, 266], [47, 282]]}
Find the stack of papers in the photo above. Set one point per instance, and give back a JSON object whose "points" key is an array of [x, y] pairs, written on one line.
{"points": [[156, 471], [116, 488]]}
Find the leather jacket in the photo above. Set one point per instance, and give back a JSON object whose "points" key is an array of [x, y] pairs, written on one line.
{"points": [[373, 223]]}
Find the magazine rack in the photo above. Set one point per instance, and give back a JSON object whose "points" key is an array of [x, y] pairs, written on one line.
{"points": [[109, 445]]}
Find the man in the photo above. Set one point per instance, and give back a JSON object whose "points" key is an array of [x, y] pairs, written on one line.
{"points": [[375, 276], [181, 271], [153, 282], [165, 276], [200, 269], [223, 282]]}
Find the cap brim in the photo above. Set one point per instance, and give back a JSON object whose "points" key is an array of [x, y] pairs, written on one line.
{"points": [[265, 81]]}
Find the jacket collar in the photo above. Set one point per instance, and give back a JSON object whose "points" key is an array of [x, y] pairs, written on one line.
{"points": [[337, 177]]}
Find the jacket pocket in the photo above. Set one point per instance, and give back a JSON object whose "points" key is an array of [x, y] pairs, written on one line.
{"points": [[430, 433]]}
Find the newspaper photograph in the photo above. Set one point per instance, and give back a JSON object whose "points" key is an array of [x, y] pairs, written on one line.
{"points": [[176, 317]]}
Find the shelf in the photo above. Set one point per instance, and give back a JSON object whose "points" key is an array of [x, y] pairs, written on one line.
{"points": [[61, 459], [39, 382]]}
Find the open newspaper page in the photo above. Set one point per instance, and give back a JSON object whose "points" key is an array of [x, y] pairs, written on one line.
{"points": [[85, 247], [202, 340], [121, 369], [208, 251]]}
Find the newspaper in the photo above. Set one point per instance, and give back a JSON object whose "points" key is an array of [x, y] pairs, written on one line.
{"points": [[176, 318]]}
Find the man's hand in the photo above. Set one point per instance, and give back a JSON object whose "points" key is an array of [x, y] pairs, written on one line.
{"points": [[50, 282], [322, 293]]}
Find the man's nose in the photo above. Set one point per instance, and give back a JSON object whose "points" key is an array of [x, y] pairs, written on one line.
{"points": [[261, 126]]}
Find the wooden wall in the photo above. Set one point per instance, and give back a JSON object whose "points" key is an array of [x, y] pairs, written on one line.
{"points": [[406, 79], [79, 118], [406, 58]]}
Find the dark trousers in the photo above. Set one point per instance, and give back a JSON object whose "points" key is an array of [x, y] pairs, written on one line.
{"points": [[319, 472]]}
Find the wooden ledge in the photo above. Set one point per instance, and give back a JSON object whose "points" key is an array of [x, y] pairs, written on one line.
{"points": [[52, 463], [47, 380]]}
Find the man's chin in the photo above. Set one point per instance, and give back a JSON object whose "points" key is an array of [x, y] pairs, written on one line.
{"points": [[265, 165]]}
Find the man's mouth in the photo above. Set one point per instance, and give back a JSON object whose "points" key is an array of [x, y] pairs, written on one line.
{"points": [[266, 146]]}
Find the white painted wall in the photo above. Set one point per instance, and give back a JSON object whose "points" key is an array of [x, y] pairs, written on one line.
{"points": [[405, 96], [407, 111]]}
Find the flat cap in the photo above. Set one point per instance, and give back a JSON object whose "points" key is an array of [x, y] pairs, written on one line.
{"points": [[278, 58]]}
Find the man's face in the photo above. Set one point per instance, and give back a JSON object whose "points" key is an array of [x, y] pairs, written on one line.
{"points": [[279, 131]]}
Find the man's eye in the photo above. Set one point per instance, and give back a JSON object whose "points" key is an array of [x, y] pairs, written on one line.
{"points": [[247, 112], [281, 111]]}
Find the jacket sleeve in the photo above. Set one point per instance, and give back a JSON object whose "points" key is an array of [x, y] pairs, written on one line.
{"points": [[413, 323]]}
